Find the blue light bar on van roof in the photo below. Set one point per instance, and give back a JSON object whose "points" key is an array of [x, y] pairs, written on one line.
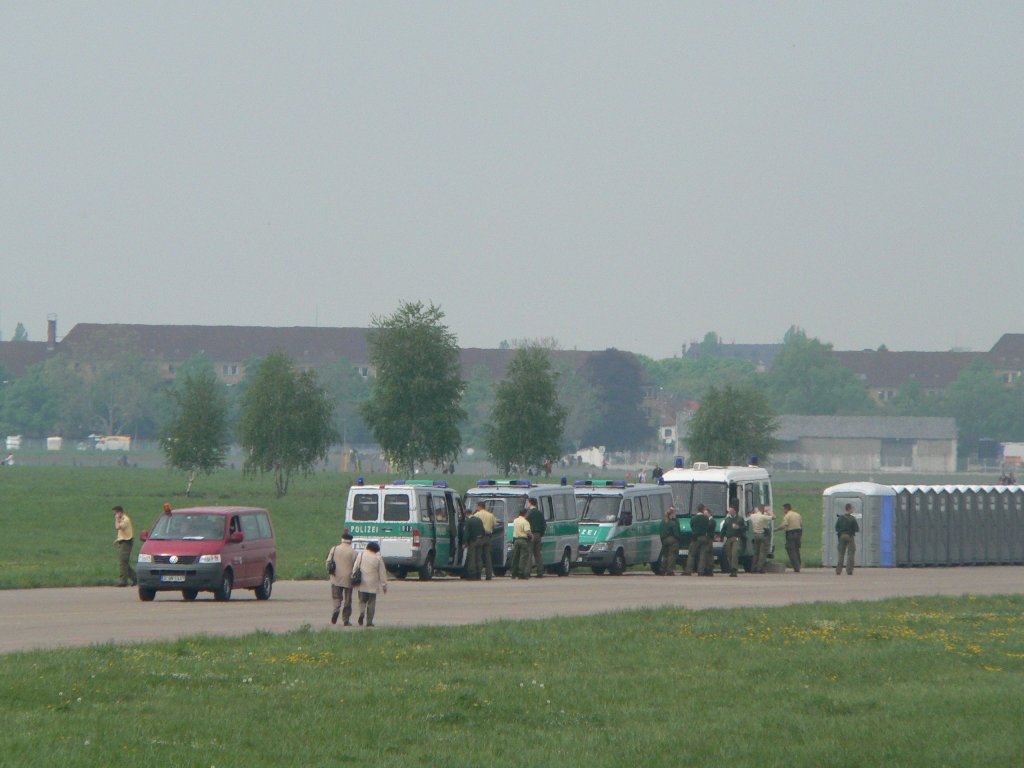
{"points": [[679, 462], [360, 481], [504, 483], [602, 483], [431, 483]]}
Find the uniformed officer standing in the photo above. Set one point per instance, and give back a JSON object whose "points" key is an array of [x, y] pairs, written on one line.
{"points": [[537, 526], [489, 521], [124, 536], [793, 525], [761, 527], [474, 538], [846, 529], [734, 529], [697, 557], [671, 539], [520, 567]]}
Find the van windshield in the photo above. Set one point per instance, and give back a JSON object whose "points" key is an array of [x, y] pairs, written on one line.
{"points": [[598, 509], [505, 509], [197, 527], [687, 495]]}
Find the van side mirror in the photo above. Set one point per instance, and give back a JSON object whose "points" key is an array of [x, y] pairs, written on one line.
{"points": [[144, 536], [236, 537]]}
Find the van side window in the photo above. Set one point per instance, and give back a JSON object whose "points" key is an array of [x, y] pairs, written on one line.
{"points": [[364, 506], [263, 526], [626, 508], [645, 511], [236, 526], [396, 508], [423, 502], [440, 508], [748, 496], [547, 508], [562, 510]]}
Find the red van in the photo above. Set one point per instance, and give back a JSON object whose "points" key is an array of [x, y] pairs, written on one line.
{"points": [[208, 549]]}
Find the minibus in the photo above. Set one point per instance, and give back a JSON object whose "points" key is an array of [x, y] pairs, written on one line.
{"points": [[620, 524], [504, 498]]}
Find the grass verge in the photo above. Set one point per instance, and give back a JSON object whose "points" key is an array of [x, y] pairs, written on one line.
{"points": [[921, 682]]}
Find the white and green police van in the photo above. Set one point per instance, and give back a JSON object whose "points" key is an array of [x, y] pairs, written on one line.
{"points": [[718, 488], [415, 522], [504, 498], [620, 523]]}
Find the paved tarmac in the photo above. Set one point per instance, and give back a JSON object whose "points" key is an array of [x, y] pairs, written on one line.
{"points": [[53, 618]]}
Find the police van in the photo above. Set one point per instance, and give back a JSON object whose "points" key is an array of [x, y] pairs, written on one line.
{"points": [[504, 498], [620, 523], [415, 522], [718, 488]]}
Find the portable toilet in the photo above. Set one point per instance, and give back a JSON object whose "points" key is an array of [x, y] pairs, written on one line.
{"points": [[918, 531], [1004, 524], [935, 527], [989, 525], [901, 523], [954, 525], [973, 519], [1017, 524], [874, 507]]}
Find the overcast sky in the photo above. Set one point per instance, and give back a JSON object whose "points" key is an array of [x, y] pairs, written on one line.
{"points": [[628, 174]]}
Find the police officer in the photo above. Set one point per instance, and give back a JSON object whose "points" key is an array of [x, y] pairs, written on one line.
{"points": [[700, 540], [671, 538], [537, 526], [489, 521], [734, 529], [474, 538], [846, 529], [793, 525], [520, 567]]}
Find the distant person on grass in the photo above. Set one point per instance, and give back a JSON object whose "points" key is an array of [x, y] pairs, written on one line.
{"points": [[123, 539]]}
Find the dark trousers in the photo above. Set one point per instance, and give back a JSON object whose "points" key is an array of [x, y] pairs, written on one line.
{"points": [[535, 554], [698, 557], [761, 544], [367, 606], [473, 556], [342, 597], [124, 557], [669, 552], [487, 552], [732, 553], [847, 549], [793, 548], [521, 558]]}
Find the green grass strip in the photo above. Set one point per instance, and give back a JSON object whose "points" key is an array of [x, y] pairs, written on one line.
{"points": [[911, 682]]}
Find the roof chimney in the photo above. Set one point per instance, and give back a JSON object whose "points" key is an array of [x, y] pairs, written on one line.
{"points": [[51, 332]]}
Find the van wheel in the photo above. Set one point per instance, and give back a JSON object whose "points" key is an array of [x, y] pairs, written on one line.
{"points": [[656, 567], [266, 586], [146, 594], [564, 567], [223, 593], [499, 571], [748, 564], [189, 594], [401, 573], [597, 570], [427, 571], [618, 566]]}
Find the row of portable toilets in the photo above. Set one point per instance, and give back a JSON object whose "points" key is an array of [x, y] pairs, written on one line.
{"points": [[918, 525]]}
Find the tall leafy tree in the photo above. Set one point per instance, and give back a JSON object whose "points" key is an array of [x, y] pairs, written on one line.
{"points": [[414, 411], [348, 390], [195, 438], [527, 421], [478, 402], [618, 381], [285, 427], [983, 407], [733, 424], [806, 378]]}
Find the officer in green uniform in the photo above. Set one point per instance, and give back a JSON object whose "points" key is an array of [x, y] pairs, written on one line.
{"points": [[537, 526], [671, 539], [847, 529], [734, 529], [700, 539], [474, 538]]}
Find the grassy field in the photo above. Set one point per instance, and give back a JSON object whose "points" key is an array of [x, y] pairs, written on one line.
{"points": [[924, 682], [58, 528]]}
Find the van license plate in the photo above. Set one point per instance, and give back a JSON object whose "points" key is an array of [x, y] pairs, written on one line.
{"points": [[172, 578], [358, 545]]}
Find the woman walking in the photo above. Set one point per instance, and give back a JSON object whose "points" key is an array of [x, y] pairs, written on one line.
{"points": [[374, 578]]}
